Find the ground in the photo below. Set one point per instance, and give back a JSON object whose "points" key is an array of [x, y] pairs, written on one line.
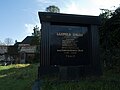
{"points": [[22, 77], [18, 76]]}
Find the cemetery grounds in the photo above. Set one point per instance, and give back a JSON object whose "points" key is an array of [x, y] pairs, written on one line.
{"points": [[22, 77]]}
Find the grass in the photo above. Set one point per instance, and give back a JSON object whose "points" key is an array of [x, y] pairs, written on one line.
{"points": [[22, 77], [18, 76], [110, 80], [83, 85]]}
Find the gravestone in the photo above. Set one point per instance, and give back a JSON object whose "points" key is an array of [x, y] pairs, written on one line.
{"points": [[69, 45]]}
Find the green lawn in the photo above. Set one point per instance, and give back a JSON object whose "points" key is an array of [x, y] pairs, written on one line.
{"points": [[18, 76], [110, 80], [22, 77]]}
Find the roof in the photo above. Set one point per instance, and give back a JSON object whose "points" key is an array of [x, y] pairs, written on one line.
{"points": [[27, 40], [68, 18], [17, 43]]}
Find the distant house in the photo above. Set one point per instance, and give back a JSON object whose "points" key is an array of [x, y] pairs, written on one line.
{"points": [[20, 52], [3, 51], [7, 54], [26, 50]]}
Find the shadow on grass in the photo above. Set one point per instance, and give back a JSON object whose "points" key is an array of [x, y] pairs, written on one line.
{"points": [[18, 77], [109, 81], [82, 85]]}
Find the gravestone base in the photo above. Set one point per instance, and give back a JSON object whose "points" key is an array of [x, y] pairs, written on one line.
{"points": [[47, 71], [72, 73], [64, 72]]}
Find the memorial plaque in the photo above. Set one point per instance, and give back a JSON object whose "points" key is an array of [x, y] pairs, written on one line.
{"points": [[70, 44]]}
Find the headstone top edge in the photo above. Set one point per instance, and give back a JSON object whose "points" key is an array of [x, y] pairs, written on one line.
{"points": [[68, 18]]}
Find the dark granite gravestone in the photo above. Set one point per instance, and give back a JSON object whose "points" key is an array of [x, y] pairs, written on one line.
{"points": [[69, 45]]}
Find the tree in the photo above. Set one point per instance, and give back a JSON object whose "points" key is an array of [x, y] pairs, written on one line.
{"points": [[53, 9], [36, 31], [8, 41], [110, 37], [110, 27], [36, 41], [117, 11], [2, 43], [36, 36]]}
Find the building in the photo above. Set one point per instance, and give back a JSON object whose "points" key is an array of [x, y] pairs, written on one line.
{"points": [[3, 51], [20, 52], [8, 54], [26, 50]]}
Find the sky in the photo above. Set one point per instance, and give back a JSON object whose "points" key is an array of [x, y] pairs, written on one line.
{"points": [[18, 17]]}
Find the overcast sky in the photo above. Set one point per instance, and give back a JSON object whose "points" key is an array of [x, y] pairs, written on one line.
{"points": [[18, 17]]}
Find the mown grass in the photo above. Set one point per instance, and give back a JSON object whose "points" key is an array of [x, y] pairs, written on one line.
{"points": [[22, 77], [18, 76], [110, 80], [82, 85]]}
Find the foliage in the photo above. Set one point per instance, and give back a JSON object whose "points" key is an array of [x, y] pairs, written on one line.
{"points": [[53, 9], [36, 41], [36, 31], [110, 37], [36, 36]]}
